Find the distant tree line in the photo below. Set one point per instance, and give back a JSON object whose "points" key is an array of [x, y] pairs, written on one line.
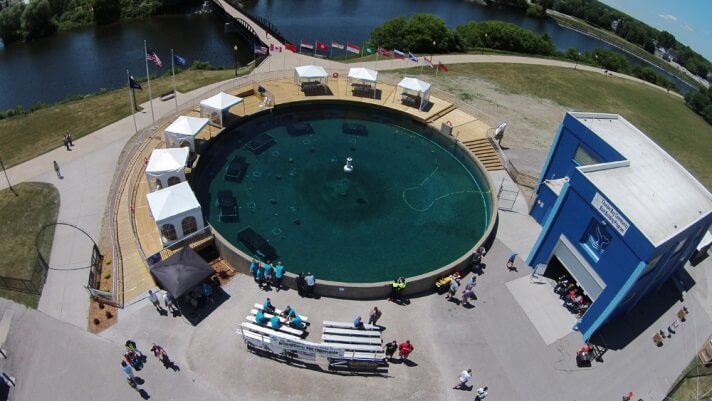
{"points": [[40, 18], [627, 27], [700, 100]]}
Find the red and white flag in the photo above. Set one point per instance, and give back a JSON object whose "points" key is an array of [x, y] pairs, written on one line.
{"points": [[350, 47], [442, 67], [428, 62], [322, 46], [306, 45], [337, 45], [384, 52], [151, 56], [290, 47]]}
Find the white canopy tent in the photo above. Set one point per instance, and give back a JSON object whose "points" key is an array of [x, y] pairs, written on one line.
{"points": [[414, 92], [176, 212], [216, 107], [309, 75], [363, 77], [183, 131], [166, 167]]}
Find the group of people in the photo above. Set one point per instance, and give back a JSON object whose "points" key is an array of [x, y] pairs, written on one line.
{"points": [[397, 289], [467, 294], [461, 384], [167, 300], [135, 359], [266, 274], [306, 284], [404, 349], [289, 314], [572, 295], [373, 317]]}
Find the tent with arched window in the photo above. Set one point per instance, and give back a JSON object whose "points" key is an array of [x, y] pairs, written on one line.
{"points": [[362, 79], [176, 212], [218, 106], [311, 76], [166, 167], [183, 131]]}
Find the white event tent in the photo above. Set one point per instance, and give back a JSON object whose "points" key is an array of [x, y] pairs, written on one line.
{"points": [[363, 76], [311, 73], [216, 107], [415, 90], [183, 131], [176, 212], [166, 167]]}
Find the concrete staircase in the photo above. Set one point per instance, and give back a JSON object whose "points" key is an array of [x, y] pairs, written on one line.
{"points": [[484, 151]]}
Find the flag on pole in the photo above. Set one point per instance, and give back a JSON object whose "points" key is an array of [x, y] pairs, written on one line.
{"points": [[306, 46], [292, 48], [151, 56], [322, 46], [384, 52], [398, 54], [271, 47], [180, 60], [133, 84], [337, 45], [412, 57], [442, 67], [350, 47], [368, 50], [260, 49], [428, 62]]}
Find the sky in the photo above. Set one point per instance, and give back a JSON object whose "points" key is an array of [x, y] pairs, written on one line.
{"points": [[688, 20]]}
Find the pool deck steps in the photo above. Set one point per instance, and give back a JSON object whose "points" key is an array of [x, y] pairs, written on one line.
{"points": [[484, 151]]}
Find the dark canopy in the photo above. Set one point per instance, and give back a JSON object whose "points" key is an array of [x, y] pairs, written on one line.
{"points": [[181, 272]]}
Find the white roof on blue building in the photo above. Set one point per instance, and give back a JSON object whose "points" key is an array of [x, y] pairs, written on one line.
{"points": [[651, 189]]}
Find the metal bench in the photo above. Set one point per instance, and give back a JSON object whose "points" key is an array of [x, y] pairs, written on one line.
{"points": [[351, 332], [347, 325], [351, 340], [266, 330]]}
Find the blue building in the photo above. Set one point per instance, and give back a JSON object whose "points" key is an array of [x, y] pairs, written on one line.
{"points": [[618, 214]]}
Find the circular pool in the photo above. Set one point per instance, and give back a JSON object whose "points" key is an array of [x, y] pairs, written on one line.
{"points": [[410, 201]]}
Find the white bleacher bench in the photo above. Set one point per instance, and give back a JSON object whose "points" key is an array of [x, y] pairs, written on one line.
{"points": [[378, 356], [283, 328], [351, 332], [347, 325], [358, 347], [269, 315], [351, 340], [279, 312], [266, 330]]}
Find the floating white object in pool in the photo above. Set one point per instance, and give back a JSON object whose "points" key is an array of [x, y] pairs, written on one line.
{"points": [[349, 167]]}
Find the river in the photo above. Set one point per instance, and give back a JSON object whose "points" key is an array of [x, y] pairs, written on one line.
{"points": [[85, 60]]}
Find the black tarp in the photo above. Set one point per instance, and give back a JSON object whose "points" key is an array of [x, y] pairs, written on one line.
{"points": [[181, 272]]}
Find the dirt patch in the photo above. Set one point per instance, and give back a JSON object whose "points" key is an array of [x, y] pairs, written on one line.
{"points": [[101, 317]]}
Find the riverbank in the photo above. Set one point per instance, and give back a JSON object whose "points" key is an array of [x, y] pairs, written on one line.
{"points": [[582, 27]]}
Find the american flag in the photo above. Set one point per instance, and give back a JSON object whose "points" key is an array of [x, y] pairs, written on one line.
{"points": [[151, 56]]}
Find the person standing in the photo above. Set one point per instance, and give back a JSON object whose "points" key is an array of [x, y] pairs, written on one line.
{"points": [[154, 300], [311, 283], [374, 315], [301, 284], [260, 276], [454, 285], [254, 266], [404, 349], [480, 393], [56, 169], [391, 348], [465, 376], [168, 300], [66, 142], [161, 354], [269, 273], [69, 139], [128, 372], [468, 294], [278, 275], [510, 262]]}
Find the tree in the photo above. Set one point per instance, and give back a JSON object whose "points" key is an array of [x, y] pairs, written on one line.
{"points": [[37, 20], [106, 11], [390, 34], [11, 22], [666, 40]]}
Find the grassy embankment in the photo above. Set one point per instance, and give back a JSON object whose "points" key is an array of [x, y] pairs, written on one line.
{"points": [[36, 205], [608, 36], [24, 137], [663, 117]]}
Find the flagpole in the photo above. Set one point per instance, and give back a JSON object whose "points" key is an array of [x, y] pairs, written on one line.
{"points": [[173, 69], [331, 48], [148, 77], [133, 104], [315, 48]]}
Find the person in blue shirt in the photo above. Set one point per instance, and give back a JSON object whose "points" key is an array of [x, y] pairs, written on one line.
{"points": [[268, 307], [260, 276], [288, 312], [269, 272], [260, 317], [297, 322], [278, 275], [254, 267], [358, 323], [275, 323]]}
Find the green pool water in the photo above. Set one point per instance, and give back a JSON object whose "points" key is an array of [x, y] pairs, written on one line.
{"points": [[413, 203]]}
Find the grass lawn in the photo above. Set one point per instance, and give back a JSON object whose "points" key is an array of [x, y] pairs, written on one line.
{"points": [[26, 137], [698, 380], [663, 117], [36, 206]]}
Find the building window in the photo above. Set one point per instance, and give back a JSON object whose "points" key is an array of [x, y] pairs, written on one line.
{"points": [[596, 239], [189, 225], [583, 157], [168, 231]]}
